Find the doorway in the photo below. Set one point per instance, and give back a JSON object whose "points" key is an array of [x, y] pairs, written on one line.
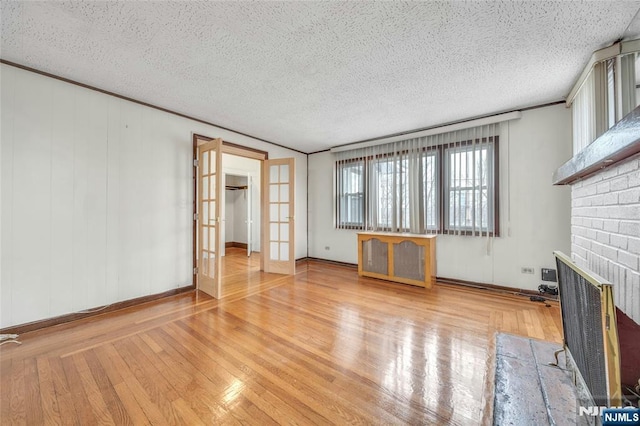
{"points": [[241, 200], [237, 215], [269, 224]]}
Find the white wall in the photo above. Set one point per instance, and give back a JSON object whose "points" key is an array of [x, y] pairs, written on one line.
{"points": [[240, 213], [235, 218], [228, 217], [242, 166], [96, 197], [535, 216]]}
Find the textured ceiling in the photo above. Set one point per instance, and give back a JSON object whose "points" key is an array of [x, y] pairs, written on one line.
{"points": [[311, 75]]}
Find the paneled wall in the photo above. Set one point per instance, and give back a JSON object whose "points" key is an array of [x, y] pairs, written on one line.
{"points": [[96, 197]]}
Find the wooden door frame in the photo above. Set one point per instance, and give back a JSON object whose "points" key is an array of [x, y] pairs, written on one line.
{"points": [[227, 148]]}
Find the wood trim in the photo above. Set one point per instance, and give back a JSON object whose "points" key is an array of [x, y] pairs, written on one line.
{"points": [[319, 152], [218, 194], [231, 244], [226, 149], [50, 322], [292, 215], [236, 149], [492, 287], [263, 244], [332, 262], [203, 137], [448, 281], [611, 346], [244, 151], [126, 98], [195, 210]]}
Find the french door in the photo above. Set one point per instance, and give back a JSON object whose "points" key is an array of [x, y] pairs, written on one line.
{"points": [[278, 213], [209, 195]]}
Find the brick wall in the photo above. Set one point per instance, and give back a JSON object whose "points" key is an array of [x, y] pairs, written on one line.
{"points": [[605, 230]]}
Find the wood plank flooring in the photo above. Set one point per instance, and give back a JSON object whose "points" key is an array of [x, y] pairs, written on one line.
{"points": [[321, 347]]}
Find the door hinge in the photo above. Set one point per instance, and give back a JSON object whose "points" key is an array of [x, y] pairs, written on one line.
{"points": [[195, 271], [195, 163], [195, 216]]}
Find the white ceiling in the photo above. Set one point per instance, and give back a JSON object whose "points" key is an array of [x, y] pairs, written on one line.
{"points": [[311, 75]]}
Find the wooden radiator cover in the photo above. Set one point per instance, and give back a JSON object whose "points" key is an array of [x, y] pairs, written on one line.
{"points": [[403, 258]]}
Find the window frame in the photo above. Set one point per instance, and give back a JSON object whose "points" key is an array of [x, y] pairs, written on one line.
{"points": [[493, 217], [441, 187], [438, 186], [339, 195]]}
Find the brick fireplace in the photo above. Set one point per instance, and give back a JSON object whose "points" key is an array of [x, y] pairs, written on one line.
{"points": [[605, 225], [605, 230]]}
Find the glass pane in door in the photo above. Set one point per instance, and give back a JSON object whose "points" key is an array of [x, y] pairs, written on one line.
{"points": [[205, 163], [211, 231], [284, 173], [284, 251]]}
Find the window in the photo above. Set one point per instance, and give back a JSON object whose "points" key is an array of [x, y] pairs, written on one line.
{"points": [[446, 188], [392, 191], [351, 196], [611, 92], [469, 173], [607, 93], [429, 193]]}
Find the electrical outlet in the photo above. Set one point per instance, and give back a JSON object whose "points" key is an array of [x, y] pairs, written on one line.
{"points": [[527, 270], [549, 275]]}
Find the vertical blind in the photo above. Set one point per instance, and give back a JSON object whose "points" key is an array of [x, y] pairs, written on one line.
{"points": [[606, 96], [584, 115], [628, 83], [443, 183]]}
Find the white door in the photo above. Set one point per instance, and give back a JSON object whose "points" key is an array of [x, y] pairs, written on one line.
{"points": [[209, 197], [278, 186]]}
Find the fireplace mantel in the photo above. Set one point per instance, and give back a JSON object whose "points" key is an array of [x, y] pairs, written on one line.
{"points": [[616, 144]]}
